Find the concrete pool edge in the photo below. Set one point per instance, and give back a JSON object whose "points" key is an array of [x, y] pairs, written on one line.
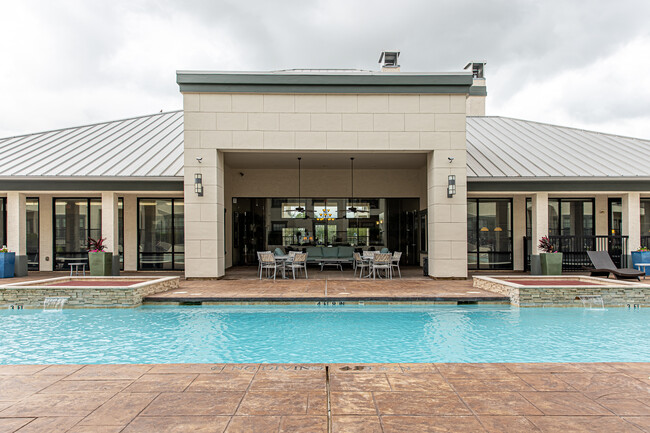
{"points": [[614, 293]]}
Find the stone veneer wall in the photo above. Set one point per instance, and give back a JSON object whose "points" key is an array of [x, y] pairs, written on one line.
{"points": [[30, 297], [613, 296]]}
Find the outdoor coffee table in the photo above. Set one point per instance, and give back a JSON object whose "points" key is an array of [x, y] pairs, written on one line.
{"points": [[76, 266], [644, 266], [332, 262]]}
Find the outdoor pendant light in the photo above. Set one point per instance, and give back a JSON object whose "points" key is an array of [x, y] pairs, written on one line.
{"points": [[299, 208], [198, 184], [352, 208]]}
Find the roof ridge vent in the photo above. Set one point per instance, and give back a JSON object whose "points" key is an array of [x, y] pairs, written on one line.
{"points": [[388, 61]]}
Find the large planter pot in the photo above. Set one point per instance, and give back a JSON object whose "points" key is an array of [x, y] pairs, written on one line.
{"points": [[101, 264], [641, 257], [551, 263], [7, 265]]}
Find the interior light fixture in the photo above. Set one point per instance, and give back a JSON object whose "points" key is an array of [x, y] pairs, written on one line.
{"points": [[498, 229], [451, 185], [198, 184], [485, 229]]}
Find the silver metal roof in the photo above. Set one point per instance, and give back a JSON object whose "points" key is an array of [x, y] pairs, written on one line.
{"points": [[140, 147], [508, 149], [498, 148]]}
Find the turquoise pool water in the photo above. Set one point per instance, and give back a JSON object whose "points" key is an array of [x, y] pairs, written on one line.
{"points": [[301, 334]]}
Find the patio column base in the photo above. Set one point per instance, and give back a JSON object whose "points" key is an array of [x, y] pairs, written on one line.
{"points": [[535, 265]]}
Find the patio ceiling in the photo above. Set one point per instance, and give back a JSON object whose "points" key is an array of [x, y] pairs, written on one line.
{"points": [[330, 160]]}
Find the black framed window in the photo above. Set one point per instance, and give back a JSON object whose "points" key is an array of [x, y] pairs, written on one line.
{"points": [[161, 235], [75, 220], [32, 229], [567, 217], [615, 220], [3, 221], [571, 216], [489, 233], [120, 231]]}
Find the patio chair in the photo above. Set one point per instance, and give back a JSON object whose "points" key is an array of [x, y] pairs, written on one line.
{"points": [[382, 261], [259, 263], [299, 262], [267, 261], [397, 255], [603, 266], [360, 264]]}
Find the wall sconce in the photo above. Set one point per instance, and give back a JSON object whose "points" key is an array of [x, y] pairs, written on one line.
{"points": [[451, 185], [198, 184]]}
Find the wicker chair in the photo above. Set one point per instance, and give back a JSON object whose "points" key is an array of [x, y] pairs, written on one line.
{"points": [[299, 262], [360, 264], [259, 263], [267, 261], [382, 261]]}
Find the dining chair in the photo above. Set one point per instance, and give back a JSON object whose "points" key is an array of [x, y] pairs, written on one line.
{"points": [[394, 263], [382, 261]]}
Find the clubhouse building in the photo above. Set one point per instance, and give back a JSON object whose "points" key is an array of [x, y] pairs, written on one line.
{"points": [[297, 158]]}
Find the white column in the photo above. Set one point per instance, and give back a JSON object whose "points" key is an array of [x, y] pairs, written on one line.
{"points": [[110, 227], [17, 230], [518, 231], [204, 218], [45, 233], [539, 228], [601, 215], [130, 233], [447, 226], [631, 215]]}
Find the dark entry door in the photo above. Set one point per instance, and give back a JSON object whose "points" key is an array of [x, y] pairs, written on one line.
{"points": [[248, 230], [402, 229]]}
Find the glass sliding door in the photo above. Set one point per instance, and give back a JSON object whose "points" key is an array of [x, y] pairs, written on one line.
{"points": [[120, 231], [160, 234], [489, 233], [3, 221], [32, 229], [75, 220], [645, 222]]}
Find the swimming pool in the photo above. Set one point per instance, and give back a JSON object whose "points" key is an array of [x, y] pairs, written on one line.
{"points": [[306, 334]]}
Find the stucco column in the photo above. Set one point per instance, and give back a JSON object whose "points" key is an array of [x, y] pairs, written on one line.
{"points": [[518, 231], [45, 233], [110, 227], [447, 227], [130, 233], [631, 216], [204, 215], [17, 230], [539, 228]]}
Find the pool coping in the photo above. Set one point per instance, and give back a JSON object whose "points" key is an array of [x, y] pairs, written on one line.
{"points": [[42, 284]]}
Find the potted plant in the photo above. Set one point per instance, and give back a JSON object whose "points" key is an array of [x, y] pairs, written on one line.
{"points": [[550, 259], [7, 262], [641, 255], [100, 260]]}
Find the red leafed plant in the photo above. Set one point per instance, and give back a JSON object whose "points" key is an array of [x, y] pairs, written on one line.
{"points": [[545, 245], [96, 245]]}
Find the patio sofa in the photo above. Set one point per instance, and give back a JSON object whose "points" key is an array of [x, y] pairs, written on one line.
{"points": [[314, 254]]}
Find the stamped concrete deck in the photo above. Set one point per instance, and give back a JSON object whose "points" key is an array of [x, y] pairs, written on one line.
{"points": [[365, 398], [327, 290]]}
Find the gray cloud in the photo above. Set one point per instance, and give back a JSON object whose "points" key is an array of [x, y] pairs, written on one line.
{"points": [[75, 62]]}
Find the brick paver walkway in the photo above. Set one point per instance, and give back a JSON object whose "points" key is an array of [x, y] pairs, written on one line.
{"points": [[366, 398]]}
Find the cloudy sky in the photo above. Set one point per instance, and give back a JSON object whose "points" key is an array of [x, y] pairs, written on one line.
{"points": [[64, 63]]}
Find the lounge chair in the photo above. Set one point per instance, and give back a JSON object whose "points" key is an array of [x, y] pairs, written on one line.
{"points": [[603, 266]]}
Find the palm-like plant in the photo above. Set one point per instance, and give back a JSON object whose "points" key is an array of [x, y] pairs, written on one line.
{"points": [[545, 245], [97, 245]]}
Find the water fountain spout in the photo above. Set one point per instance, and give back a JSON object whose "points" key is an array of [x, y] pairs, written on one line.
{"points": [[54, 303], [592, 302]]}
